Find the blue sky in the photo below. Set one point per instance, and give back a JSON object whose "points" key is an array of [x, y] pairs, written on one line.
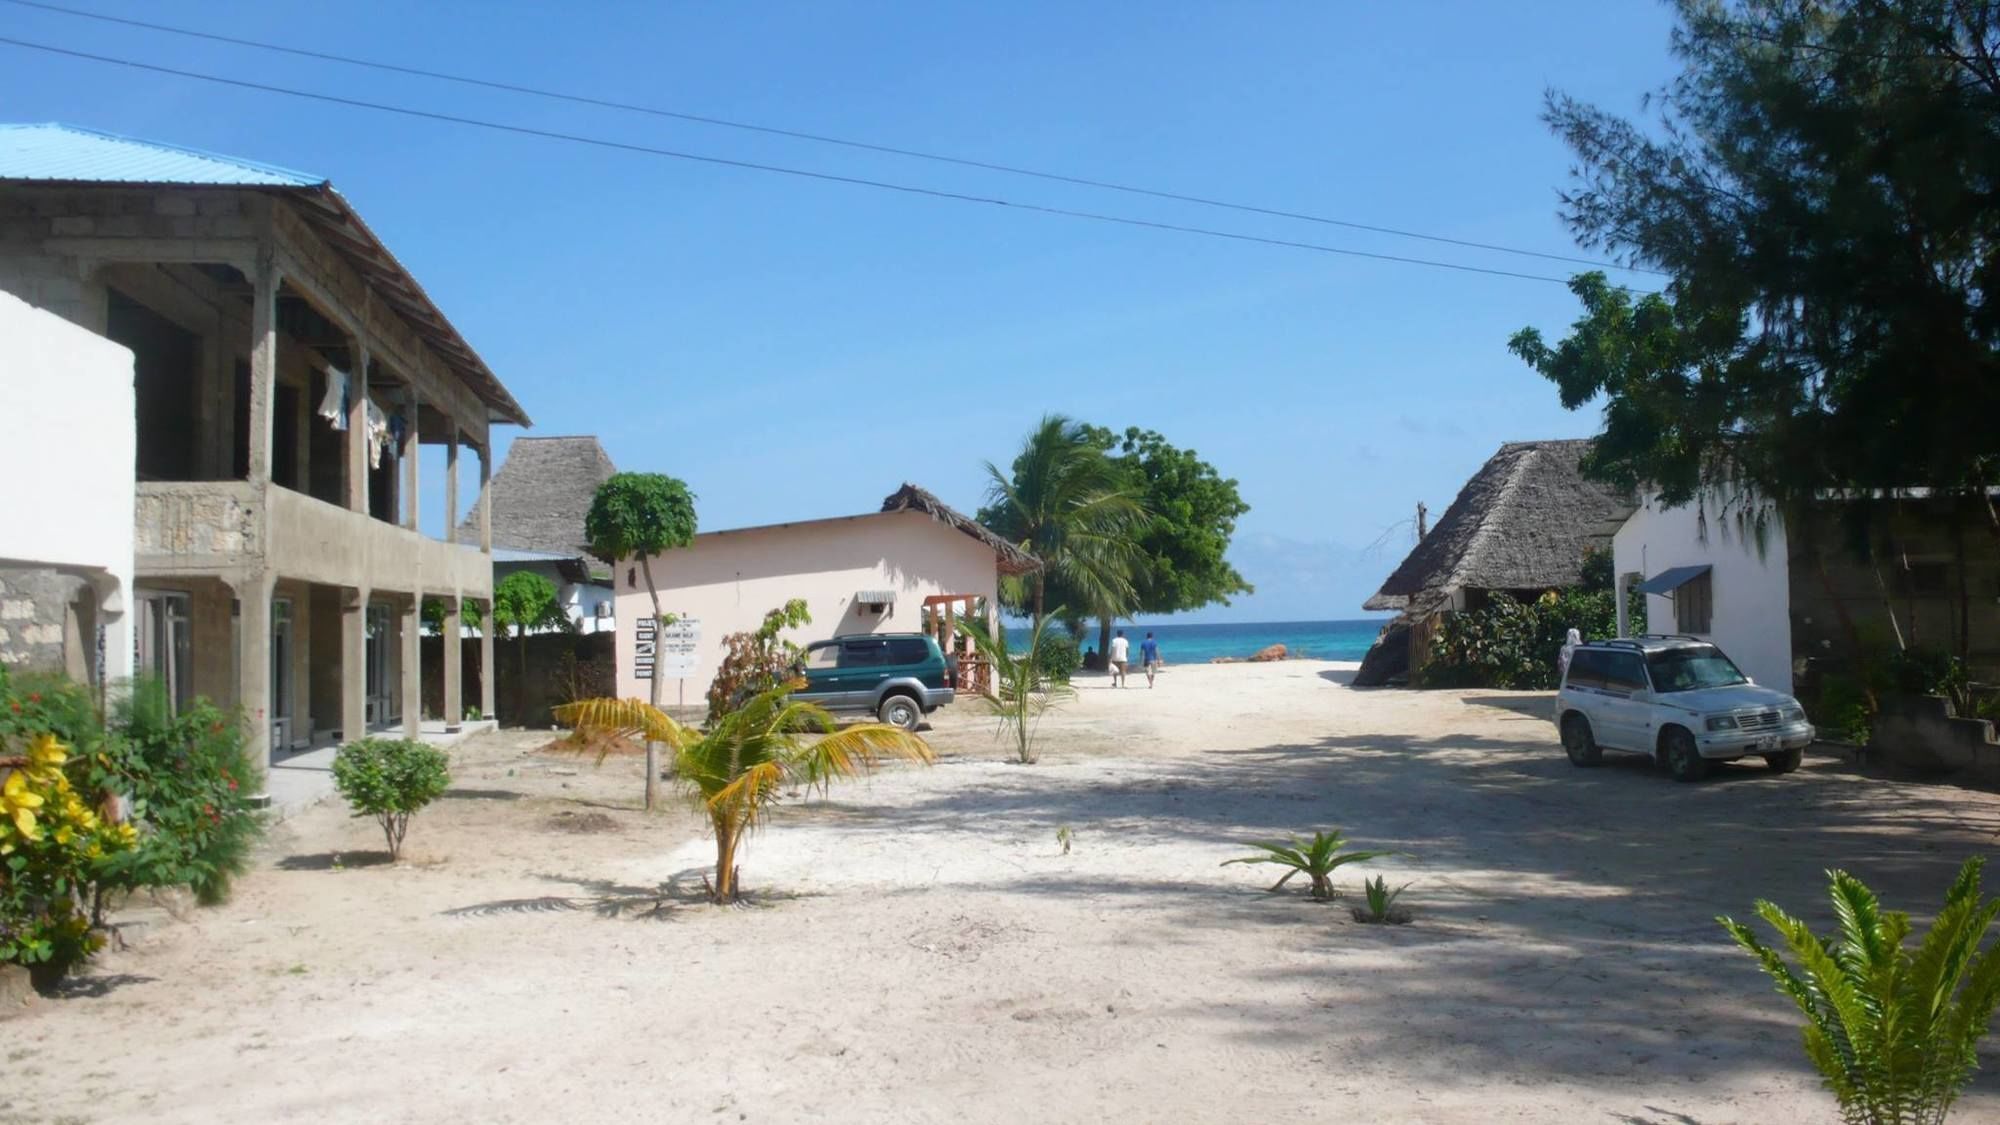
{"points": [[795, 349]]}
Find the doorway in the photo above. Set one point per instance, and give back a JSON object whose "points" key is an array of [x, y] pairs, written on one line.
{"points": [[282, 692], [162, 643], [381, 700]]}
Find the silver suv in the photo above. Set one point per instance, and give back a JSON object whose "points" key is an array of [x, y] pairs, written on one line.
{"points": [[1678, 699]]}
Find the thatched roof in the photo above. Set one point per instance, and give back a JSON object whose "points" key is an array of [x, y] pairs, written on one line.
{"points": [[542, 493], [910, 498], [1522, 522]]}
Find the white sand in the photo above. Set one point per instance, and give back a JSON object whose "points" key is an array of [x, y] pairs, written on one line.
{"points": [[920, 950]]}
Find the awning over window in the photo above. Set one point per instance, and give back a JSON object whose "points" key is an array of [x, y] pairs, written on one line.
{"points": [[875, 597], [1667, 581]]}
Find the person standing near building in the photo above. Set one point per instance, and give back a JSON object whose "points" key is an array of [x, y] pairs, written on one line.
{"points": [[1149, 657], [1121, 650]]}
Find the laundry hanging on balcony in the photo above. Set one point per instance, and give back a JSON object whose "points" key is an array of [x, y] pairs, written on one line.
{"points": [[378, 434], [333, 405]]}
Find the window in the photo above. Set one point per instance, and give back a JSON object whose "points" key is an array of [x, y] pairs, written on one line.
{"points": [[823, 656], [908, 650], [863, 654], [162, 643], [1694, 605], [1691, 669], [1586, 668], [1624, 671]]}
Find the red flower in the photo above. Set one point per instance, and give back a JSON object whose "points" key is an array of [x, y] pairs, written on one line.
{"points": [[232, 785], [215, 728], [34, 697], [15, 705]]}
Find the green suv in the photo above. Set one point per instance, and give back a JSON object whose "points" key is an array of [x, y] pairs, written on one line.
{"points": [[897, 677]]}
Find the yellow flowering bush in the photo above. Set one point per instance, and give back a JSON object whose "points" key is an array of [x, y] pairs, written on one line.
{"points": [[50, 839]]}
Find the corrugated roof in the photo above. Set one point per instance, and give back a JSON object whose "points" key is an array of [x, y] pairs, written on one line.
{"points": [[57, 152]]}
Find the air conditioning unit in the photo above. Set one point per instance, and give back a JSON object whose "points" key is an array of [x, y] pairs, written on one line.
{"points": [[604, 611]]}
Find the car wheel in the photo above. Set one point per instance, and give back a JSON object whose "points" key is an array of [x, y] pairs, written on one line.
{"points": [[1684, 762], [901, 711], [1787, 761], [1579, 743]]}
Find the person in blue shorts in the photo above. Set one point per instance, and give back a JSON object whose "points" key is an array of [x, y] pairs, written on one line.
{"points": [[1149, 657]]}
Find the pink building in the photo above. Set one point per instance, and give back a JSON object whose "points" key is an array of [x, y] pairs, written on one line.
{"points": [[858, 574]]}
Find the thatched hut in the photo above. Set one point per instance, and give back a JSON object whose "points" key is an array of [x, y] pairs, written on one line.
{"points": [[539, 500], [1520, 526]]}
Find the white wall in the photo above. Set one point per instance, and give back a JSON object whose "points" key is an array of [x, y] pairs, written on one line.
{"points": [[67, 451], [729, 580], [1752, 619], [581, 599]]}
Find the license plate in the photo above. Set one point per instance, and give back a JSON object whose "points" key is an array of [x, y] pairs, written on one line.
{"points": [[1764, 744]]}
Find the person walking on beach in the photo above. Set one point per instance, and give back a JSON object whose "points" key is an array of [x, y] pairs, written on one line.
{"points": [[1149, 657], [1120, 651]]}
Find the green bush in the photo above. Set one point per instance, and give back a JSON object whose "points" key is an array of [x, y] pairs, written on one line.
{"points": [[1057, 657], [1514, 644], [390, 779]]}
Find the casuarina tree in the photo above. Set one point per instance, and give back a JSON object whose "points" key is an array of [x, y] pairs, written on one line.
{"points": [[636, 516]]}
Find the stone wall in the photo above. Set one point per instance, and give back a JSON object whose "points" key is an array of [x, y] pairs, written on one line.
{"points": [[35, 619], [1924, 733]]}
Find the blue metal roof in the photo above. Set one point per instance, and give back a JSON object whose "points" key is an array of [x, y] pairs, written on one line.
{"points": [[66, 153]]}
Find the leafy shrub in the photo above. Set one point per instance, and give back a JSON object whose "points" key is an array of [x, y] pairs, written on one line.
{"points": [[390, 779], [1381, 908], [1842, 709], [1893, 1035], [186, 780], [1317, 859], [50, 840], [1923, 671], [1513, 644], [757, 661], [1057, 656]]}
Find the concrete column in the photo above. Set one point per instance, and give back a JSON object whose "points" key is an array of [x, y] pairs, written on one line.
{"points": [[413, 666], [486, 497], [488, 676], [1619, 588], [253, 661], [451, 483], [353, 663], [412, 410], [263, 374], [357, 430], [454, 666]]}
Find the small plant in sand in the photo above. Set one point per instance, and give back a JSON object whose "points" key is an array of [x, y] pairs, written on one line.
{"points": [[1064, 837], [1021, 690], [390, 779], [738, 768], [1381, 908], [1317, 858], [1893, 1034]]}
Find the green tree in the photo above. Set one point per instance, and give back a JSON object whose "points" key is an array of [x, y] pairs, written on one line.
{"points": [[469, 615], [1819, 194], [1183, 542], [1066, 502], [526, 602], [742, 765], [638, 516]]}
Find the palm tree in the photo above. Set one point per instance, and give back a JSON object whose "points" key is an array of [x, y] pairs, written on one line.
{"points": [[1066, 504], [1020, 691], [737, 769]]}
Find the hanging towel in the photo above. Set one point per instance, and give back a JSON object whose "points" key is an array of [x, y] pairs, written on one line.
{"points": [[378, 434], [333, 405]]}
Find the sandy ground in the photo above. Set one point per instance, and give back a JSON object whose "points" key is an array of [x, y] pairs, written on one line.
{"points": [[919, 949]]}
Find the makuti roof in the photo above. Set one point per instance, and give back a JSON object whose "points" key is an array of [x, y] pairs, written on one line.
{"points": [[66, 154], [1522, 522], [542, 493]]}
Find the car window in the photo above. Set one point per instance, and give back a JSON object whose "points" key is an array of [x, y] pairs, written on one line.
{"points": [[1586, 668], [1694, 668], [1624, 671], [908, 650], [823, 656], [863, 654]]}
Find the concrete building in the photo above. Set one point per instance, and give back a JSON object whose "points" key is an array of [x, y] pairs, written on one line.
{"points": [[1707, 575], [286, 370], [914, 566], [66, 522], [538, 501]]}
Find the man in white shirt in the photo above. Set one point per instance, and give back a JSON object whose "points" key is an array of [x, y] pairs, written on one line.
{"points": [[1121, 650]]}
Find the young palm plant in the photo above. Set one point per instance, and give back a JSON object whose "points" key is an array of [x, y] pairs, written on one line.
{"points": [[738, 768], [1317, 858], [1892, 1033], [1020, 691], [1381, 899]]}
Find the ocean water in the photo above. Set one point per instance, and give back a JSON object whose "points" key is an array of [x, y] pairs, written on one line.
{"points": [[1199, 644]]}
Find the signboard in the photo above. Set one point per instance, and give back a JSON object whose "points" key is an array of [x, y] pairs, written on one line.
{"points": [[668, 649]]}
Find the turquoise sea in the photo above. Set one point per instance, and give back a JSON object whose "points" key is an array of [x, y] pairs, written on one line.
{"points": [[1198, 644]]}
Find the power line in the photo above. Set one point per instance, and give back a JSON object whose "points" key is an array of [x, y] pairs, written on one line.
{"points": [[830, 177], [819, 138]]}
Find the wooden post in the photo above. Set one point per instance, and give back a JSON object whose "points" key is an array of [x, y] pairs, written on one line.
{"points": [[263, 366], [357, 430], [412, 410]]}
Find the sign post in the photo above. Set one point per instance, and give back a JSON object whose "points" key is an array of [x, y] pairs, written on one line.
{"points": [[666, 650]]}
